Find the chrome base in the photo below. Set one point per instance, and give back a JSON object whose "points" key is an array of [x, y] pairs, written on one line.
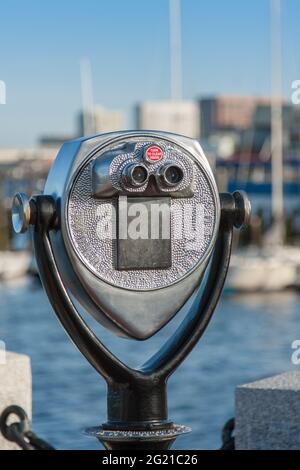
{"points": [[113, 439]]}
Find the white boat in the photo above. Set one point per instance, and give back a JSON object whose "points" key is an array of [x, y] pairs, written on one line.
{"points": [[267, 269], [14, 264]]}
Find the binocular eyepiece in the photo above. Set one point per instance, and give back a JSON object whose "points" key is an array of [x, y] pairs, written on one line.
{"points": [[137, 175], [148, 169], [171, 175]]}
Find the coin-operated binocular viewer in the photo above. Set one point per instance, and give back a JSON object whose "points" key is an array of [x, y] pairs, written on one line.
{"points": [[128, 225]]}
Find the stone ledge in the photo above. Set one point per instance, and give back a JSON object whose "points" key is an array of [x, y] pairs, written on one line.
{"points": [[15, 388], [268, 413]]}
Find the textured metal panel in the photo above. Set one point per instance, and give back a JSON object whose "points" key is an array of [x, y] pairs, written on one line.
{"points": [[89, 217]]}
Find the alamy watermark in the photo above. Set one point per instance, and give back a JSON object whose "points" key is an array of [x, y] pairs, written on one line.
{"points": [[295, 357], [295, 96], [2, 353], [2, 92], [138, 220]]}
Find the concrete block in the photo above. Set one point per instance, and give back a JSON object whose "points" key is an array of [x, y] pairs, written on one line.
{"points": [[268, 413], [15, 387]]}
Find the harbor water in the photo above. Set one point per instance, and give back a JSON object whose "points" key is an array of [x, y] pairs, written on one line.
{"points": [[249, 338]]}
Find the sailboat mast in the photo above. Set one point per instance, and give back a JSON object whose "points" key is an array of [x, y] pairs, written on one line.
{"points": [[175, 49], [276, 120]]}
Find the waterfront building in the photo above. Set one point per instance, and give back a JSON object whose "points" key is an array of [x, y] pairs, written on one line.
{"points": [[99, 119], [227, 113], [178, 116]]}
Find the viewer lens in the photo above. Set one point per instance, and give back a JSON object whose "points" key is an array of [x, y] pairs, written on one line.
{"points": [[173, 175], [135, 175], [139, 175]]}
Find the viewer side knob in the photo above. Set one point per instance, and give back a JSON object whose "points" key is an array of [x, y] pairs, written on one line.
{"points": [[23, 213], [243, 209]]}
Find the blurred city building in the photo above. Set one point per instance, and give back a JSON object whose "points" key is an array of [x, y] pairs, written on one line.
{"points": [[257, 137], [99, 119], [178, 116], [239, 127], [224, 119], [227, 113]]}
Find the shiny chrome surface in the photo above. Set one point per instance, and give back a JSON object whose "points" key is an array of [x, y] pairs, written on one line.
{"points": [[22, 213]]}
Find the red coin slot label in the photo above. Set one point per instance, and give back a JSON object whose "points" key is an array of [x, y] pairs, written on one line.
{"points": [[154, 153]]}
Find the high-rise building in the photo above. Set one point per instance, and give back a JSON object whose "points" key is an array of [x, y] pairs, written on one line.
{"points": [[178, 116], [99, 119], [227, 113]]}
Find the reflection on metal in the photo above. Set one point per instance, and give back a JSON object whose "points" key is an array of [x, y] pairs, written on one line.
{"points": [[22, 213]]}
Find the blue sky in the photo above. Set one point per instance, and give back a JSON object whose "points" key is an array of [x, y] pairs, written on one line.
{"points": [[225, 45]]}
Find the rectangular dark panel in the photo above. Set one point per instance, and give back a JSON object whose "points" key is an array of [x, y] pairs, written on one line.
{"points": [[144, 233]]}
